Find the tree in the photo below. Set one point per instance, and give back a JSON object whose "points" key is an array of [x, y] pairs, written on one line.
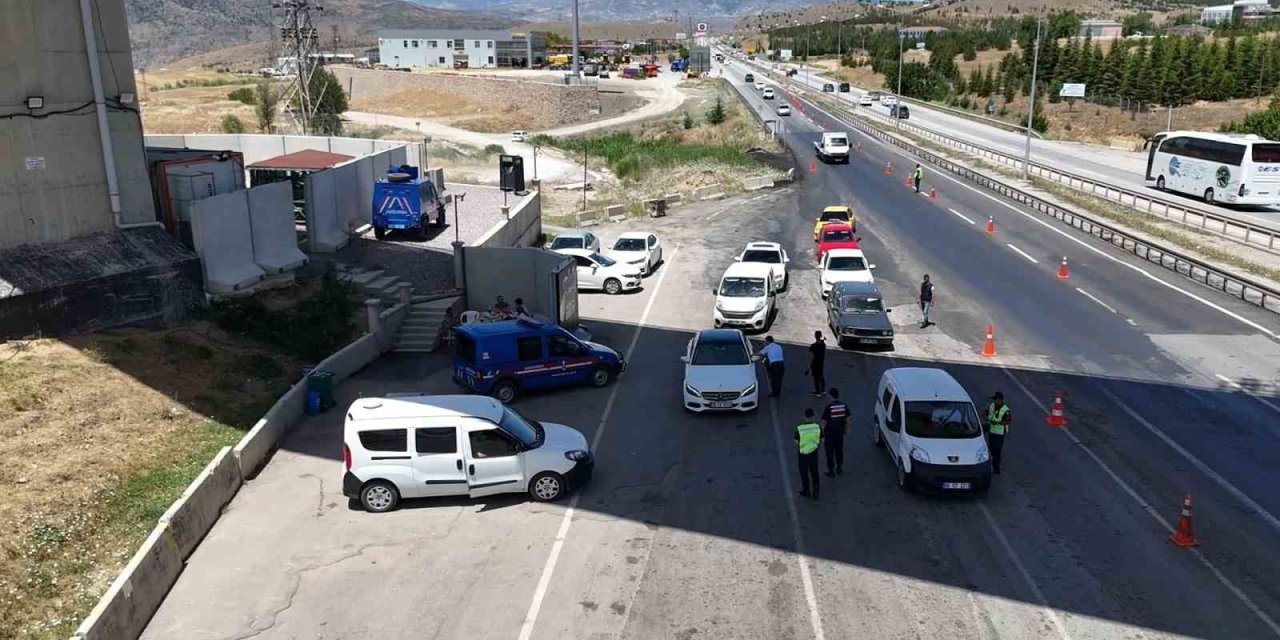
{"points": [[688, 121], [243, 94], [231, 124], [1265, 124], [717, 114], [266, 100], [329, 101], [1137, 23], [683, 53]]}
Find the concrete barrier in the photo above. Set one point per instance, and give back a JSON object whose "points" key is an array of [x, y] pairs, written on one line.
{"points": [[223, 238], [589, 218], [674, 199], [710, 192], [123, 612], [755, 184], [326, 232], [193, 514], [275, 242], [521, 228]]}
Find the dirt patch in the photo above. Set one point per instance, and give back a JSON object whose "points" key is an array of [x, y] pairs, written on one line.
{"points": [[176, 101]]}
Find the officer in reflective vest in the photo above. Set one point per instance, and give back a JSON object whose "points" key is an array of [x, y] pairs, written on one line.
{"points": [[998, 418], [917, 176], [808, 439]]}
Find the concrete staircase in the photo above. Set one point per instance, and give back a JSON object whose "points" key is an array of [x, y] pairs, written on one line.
{"points": [[419, 330], [373, 283]]}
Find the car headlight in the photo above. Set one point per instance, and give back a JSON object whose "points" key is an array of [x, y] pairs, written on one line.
{"points": [[719, 307], [691, 391], [983, 455], [749, 390], [887, 332], [919, 454], [636, 261], [760, 305], [577, 455]]}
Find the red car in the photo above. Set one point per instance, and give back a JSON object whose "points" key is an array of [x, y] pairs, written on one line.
{"points": [[835, 235]]}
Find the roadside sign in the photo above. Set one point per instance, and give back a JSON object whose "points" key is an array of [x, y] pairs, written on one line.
{"points": [[703, 27], [681, 36], [1072, 90]]}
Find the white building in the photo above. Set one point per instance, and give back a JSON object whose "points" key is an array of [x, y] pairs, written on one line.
{"points": [[1238, 10], [406, 49]]}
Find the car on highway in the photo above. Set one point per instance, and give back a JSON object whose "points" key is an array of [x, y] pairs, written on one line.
{"points": [[767, 94], [844, 87], [784, 110], [827, 87], [856, 315], [507, 358], [834, 235], [720, 372], [888, 101], [843, 265], [875, 95], [745, 296], [832, 147], [791, 73], [835, 213], [866, 100], [598, 272], [771, 254], [900, 111], [426, 446], [749, 78], [638, 248], [759, 86], [929, 427], [574, 239], [518, 136]]}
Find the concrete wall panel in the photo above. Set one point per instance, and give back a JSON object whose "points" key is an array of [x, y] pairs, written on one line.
{"points": [[521, 230], [400, 156], [365, 175], [326, 233], [258, 147], [223, 239], [275, 241], [217, 142], [166, 141], [355, 147], [352, 211], [293, 144]]}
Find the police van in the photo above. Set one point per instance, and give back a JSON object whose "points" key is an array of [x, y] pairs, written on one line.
{"points": [[508, 358]]}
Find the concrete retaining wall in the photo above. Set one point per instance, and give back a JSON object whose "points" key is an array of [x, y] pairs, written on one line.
{"points": [[755, 184], [260, 146], [521, 229], [123, 612]]}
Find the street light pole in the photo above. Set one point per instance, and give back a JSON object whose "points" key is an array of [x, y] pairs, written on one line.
{"points": [[897, 100], [458, 197], [584, 177], [576, 68], [1031, 109]]}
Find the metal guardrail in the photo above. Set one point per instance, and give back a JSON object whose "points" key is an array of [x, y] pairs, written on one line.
{"points": [[1202, 272], [1256, 236]]}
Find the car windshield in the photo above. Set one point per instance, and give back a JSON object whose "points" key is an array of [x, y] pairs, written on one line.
{"points": [[838, 141], [528, 432], [860, 304], [942, 419], [767, 256], [742, 287], [837, 235], [716, 354], [604, 261], [846, 263], [828, 216], [629, 244], [567, 242]]}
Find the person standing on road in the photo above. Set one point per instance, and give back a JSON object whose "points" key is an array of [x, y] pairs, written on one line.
{"points": [[834, 420], [772, 352], [917, 176], [808, 438], [998, 419], [926, 301], [817, 361]]}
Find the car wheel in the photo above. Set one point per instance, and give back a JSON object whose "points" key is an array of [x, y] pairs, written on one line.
{"points": [[612, 286], [1208, 196], [904, 478], [1160, 183], [876, 438], [379, 233], [506, 392], [379, 497], [547, 486], [424, 232], [786, 282], [601, 376]]}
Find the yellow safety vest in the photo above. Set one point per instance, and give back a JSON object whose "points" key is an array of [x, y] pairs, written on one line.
{"points": [[810, 435], [919, 172], [995, 418]]}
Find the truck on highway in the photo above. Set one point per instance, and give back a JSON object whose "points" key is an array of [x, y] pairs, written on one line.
{"points": [[405, 201], [833, 147]]}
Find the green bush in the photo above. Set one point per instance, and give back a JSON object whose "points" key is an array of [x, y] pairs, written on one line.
{"points": [[313, 329], [231, 124], [687, 122], [494, 149], [243, 94]]}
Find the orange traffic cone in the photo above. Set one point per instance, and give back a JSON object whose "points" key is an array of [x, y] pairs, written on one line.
{"points": [[1062, 269], [813, 166], [989, 347], [933, 193], [906, 182], [1056, 416], [888, 168], [991, 225], [1182, 536]]}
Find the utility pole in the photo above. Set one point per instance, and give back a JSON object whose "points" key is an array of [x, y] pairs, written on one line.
{"points": [[576, 67], [300, 38], [1031, 109], [897, 100]]}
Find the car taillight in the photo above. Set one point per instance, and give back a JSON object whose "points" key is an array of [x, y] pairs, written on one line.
{"points": [[346, 458]]}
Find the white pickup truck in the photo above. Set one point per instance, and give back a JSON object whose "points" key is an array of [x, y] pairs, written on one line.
{"points": [[833, 147]]}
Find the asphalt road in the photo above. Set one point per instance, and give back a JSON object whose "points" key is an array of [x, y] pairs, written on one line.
{"points": [[691, 528]]}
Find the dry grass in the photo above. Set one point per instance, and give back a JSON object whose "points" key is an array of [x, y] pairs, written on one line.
{"points": [[98, 435], [190, 109]]}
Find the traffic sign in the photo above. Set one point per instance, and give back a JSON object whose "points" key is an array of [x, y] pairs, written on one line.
{"points": [[703, 27], [1072, 90]]}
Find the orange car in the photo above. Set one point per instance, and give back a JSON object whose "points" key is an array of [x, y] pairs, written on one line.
{"points": [[835, 213]]}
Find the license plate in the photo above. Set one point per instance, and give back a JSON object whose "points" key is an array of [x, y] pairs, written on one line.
{"points": [[395, 226], [721, 405], [867, 341], [955, 485]]}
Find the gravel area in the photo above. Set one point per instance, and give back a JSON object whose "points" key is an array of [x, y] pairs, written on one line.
{"points": [[428, 265]]}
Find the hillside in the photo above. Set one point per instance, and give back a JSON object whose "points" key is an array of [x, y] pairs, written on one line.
{"points": [[613, 10], [164, 30]]}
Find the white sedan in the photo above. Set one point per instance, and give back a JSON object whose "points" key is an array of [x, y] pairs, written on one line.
{"points": [[843, 265], [638, 248], [759, 86], [771, 254], [784, 110], [865, 101], [720, 372], [602, 273]]}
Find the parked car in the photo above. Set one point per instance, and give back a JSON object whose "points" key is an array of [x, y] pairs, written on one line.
{"points": [[598, 272], [421, 446], [767, 94], [784, 110], [638, 248], [745, 296], [843, 265], [834, 235], [835, 213], [508, 358], [856, 314], [929, 427], [771, 254], [720, 372], [574, 239]]}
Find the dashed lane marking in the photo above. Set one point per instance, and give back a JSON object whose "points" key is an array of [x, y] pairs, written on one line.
{"points": [[1026, 575], [1103, 304], [811, 599], [1022, 253], [1248, 392], [961, 215]]}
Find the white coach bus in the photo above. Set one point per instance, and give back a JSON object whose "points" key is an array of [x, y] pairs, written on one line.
{"points": [[1220, 168]]}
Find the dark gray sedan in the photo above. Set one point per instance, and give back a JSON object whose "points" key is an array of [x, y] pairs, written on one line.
{"points": [[857, 316]]}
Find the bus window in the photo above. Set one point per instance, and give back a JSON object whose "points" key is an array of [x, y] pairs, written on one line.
{"points": [[1266, 153]]}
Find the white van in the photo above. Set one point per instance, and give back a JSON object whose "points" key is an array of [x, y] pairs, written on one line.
{"points": [[421, 446], [745, 296], [932, 430]]}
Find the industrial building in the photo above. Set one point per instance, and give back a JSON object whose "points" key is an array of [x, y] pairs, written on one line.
{"points": [[1236, 12], [1098, 29], [461, 48]]}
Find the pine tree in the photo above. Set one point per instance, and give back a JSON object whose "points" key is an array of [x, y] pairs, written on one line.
{"points": [[717, 113], [975, 80], [989, 82]]}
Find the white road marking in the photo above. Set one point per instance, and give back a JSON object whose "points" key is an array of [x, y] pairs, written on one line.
{"points": [[1130, 321], [1026, 575], [1222, 578], [1089, 246], [809, 596], [1022, 253], [1251, 394], [712, 216], [962, 216], [531, 618], [1093, 298]]}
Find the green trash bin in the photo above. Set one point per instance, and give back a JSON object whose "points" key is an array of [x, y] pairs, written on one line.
{"points": [[322, 382]]}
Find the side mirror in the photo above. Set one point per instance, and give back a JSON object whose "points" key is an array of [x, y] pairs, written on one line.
{"points": [[871, 266], [888, 310], [737, 258], [858, 238], [547, 246], [684, 359]]}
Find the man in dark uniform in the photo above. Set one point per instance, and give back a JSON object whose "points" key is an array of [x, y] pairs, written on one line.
{"points": [[998, 419], [835, 418], [817, 363]]}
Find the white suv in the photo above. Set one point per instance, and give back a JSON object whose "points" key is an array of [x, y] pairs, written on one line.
{"points": [[928, 425], [420, 446], [843, 265], [745, 296], [772, 254], [720, 372]]}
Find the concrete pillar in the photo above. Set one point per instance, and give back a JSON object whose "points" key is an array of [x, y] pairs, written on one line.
{"points": [[536, 183], [506, 213], [403, 294], [373, 309], [459, 265]]}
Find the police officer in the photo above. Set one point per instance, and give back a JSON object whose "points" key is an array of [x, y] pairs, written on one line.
{"points": [[917, 176], [998, 418], [834, 420], [808, 437]]}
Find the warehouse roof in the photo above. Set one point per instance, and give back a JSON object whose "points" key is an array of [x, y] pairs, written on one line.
{"points": [[305, 160]]}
